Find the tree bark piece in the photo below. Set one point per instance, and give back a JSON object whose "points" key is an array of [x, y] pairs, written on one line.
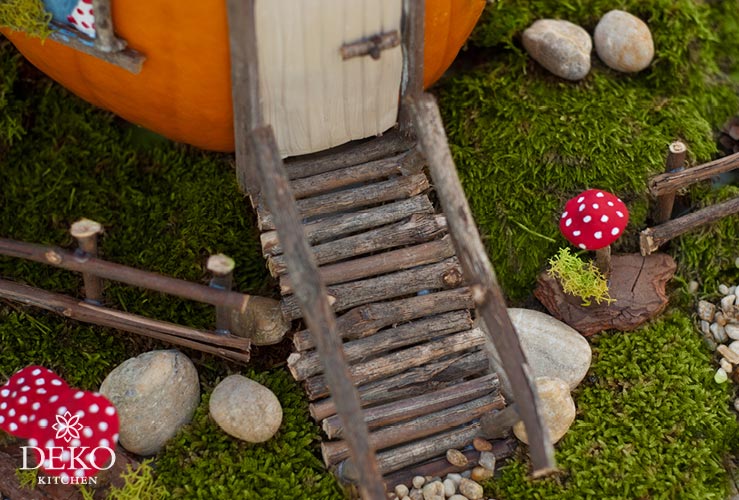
{"points": [[478, 270], [413, 50], [374, 265], [361, 220], [369, 319], [409, 162], [498, 424], [306, 364], [347, 295], [346, 155], [334, 452], [419, 405], [671, 182], [225, 346], [86, 232], [675, 163], [434, 376], [654, 237], [313, 298], [637, 284], [418, 229]]}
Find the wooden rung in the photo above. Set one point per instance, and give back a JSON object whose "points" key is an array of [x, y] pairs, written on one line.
{"points": [[306, 364], [361, 220], [419, 405], [346, 155], [334, 452], [409, 162], [445, 274], [343, 201], [434, 376], [375, 265], [369, 319], [418, 229], [400, 361]]}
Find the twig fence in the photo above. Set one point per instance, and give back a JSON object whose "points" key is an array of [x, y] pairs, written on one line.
{"points": [[228, 303], [665, 186]]}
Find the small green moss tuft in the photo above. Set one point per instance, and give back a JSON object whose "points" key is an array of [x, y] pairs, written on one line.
{"points": [[140, 484], [579, 278], [25, 15], [27, 478]]}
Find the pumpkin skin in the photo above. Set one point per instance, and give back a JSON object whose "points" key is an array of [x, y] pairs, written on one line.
{"points": [[184, 91]]}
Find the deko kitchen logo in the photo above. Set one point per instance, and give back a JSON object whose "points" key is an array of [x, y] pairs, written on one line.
{"points": [[71, 433]]}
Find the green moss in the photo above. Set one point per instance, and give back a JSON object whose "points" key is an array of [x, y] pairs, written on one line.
{"points": [[578, 278], [25, 15], [650, 423], [139, 484], [525, 141]]}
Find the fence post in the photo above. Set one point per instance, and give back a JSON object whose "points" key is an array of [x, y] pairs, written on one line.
{"points": [[675, 163], [86, 231], [222, 268]]}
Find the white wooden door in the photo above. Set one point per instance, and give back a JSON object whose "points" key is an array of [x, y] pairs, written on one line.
{"points": [[313, 98]]}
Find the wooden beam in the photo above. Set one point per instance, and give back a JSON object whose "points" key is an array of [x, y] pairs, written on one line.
{"points": [[654, 237], [128, 59], [313, 298], [247, 112], [675, 163], [671, 182], [414, 12], [477, 269]]}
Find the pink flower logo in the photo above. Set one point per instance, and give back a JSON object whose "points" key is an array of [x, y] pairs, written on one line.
{"points": [[67, 427]]}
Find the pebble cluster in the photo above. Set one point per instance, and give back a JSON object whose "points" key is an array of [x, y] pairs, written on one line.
{"points": [[462, 486], [719, 324]]}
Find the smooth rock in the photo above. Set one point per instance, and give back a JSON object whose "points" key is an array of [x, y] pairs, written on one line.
{"points": [[480, 474], [156, 394], [456, 457], [557, 409], [470, 489], [720, 376], [719, 333], [552, 348], [433, 491], [727, 303], [720, 319], [723, 289], [730, 355], [623, 42], [560, 46], [455, 478], [732, 290], [415, 494], [401, 490], [693, 286], [481, 444], [245, 409], [465, 474], [407, 497], [736, 404], [706, 310], [732, 331], [418, 482], [487, 460], [450, 488], [728, 367], [457, 497], [734, 346]]}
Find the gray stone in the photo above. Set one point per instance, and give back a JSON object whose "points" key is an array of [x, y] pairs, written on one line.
{"points": [[732, 330], [487, 460], [455, 478], [719, 333], [693, 286], [720, 318], [723, 289], [706, 310], [470, 489], [727, 303], [450, 488], [557, 409], [734, 346], [156, 394], [560, 46], [623, 42], [456, 457], [433, 491], [480, 474], [415, 494], [457, 497], [552, 348], [401, 490], [418, 482], [245, 409]]}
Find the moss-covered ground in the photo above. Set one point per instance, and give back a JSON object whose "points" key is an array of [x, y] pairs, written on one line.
{"points": [[651, 422]]}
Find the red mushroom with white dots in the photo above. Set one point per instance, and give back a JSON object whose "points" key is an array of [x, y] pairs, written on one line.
{"points": [[593, 220]]}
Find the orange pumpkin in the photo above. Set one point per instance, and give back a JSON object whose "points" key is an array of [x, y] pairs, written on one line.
{"points": [[183, 91]]}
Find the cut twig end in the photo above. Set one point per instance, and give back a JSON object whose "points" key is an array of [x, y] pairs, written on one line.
{"points": [[84, 228], [678, 147], [220, 264]]}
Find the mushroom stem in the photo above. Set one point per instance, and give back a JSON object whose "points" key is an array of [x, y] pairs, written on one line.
{"points": [[603, 260]]}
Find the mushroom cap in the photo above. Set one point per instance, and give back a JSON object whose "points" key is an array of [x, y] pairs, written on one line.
{"points": [[593, 219], [24, 400]]}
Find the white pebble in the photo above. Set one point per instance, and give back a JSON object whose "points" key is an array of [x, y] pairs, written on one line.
{"points": [[732, 330], [449, 487], [487, 460], [693, 286], [721, 319], [401, 490], [728, 367], [706, 310], [433, 491], [455, 478], [734, 346], [457, 497], [418, 482], [720, 376], [736, 404], [723, 289], [719, 333], [732, 290], [727, 303]]}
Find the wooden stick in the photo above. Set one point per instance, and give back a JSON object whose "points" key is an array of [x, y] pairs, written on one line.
{"points": [[339, 225], [342, 201], [124, 274], [408, 162], [434, 376], [671, 182], [440, 467], [496, 425], [313, 298], [478, 270], [105, 39], [225, 346], [347, 295], [247, 111], [334, 452], [369, 319], [603, 260], [346, 155], [418, 229], [416, 406], [222, 267], [306, 364], [374, 265], [654, 237], [413, 50], [127, 59], [675, 163], [400, 361], [86, 232]]}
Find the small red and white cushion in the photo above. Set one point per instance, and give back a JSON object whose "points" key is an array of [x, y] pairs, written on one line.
{"points": [[82, 17]]}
